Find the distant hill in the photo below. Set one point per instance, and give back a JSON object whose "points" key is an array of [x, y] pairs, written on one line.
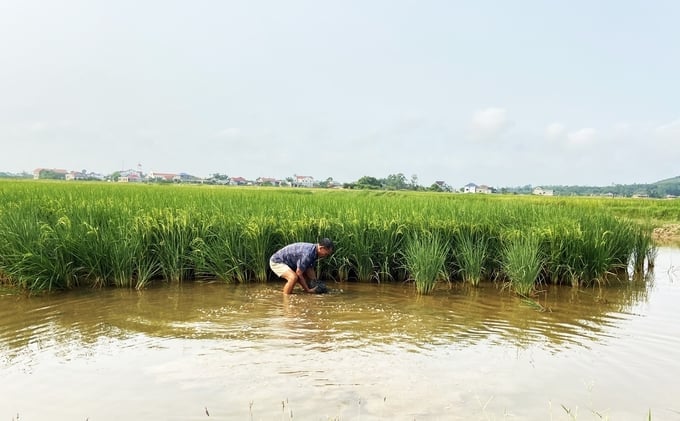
{"points": [[673, 180], [669, 187]]}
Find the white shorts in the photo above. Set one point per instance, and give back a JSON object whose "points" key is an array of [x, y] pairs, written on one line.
{"points": [[279, 268]]}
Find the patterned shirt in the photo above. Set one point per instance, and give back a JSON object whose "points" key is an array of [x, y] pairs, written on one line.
{"points": [[297, 256]]}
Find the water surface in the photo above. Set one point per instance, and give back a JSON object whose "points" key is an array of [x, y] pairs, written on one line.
{"points": [[202, 351]]}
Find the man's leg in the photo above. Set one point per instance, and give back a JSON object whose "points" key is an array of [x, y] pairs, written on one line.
{"points": [[291, 279], [283, 271]]}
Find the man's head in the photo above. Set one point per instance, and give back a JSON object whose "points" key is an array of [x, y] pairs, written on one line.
{"points": [[325, 247]]}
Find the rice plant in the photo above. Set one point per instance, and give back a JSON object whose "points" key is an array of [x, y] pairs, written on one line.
{"points": [[471, 255], [643, 250], [522, 262], [65, 235], [388, 241], [425, 258], [259, 236], [357, 251], [172, 234]]}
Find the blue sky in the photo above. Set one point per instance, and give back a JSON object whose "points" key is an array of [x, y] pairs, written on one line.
{"points": [[504, 93]]}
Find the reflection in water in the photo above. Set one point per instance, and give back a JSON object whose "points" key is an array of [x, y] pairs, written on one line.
{"points": [[384, 316], [359, 342]]}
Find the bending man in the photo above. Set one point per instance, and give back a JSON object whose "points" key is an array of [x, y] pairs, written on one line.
{"points": [[295, 263]]}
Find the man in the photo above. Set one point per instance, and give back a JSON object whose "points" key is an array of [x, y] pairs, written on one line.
{"points": [[295, 263]]}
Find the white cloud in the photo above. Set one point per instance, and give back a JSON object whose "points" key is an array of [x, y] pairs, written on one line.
{"points": [[490, 123], [670, 130], [230, 132], [555, 131], [623, 127], [583, 136]]}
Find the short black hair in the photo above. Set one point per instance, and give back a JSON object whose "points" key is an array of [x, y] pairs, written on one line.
{"points": [[327, 243]]}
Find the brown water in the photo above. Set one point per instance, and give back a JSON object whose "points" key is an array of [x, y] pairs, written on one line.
{"points": [[203, 351]]}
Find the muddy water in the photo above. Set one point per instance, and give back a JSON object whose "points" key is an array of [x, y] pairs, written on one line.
{"points": [[204, 351]]}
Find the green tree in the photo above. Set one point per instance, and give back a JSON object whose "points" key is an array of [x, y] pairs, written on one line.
{"points": [[414, 182], [396, 182], [436, 187], [51, 175], [326, 183], [218, 176], [367, 182]]}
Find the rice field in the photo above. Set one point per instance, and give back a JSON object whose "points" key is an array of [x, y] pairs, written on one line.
{"points": [[57, 236]]}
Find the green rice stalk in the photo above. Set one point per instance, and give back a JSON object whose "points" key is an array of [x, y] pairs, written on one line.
{"points": [[471, 255], [425, 257], [259, 238], [643, 250], [358, 251], [521, 262], [172, 234]]}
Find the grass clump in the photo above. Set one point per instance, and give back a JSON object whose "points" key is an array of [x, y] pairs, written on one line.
{"points": [[425, 257], [522, 262], [471, 254]]}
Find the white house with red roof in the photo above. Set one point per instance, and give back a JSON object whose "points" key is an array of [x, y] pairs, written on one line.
{"points": [[238, 181], [303, 181]]}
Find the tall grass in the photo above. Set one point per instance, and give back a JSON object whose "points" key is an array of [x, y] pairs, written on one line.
{"points": [[64, 235], [522, 261], [358, 250], [172, 234], [643, 250], [471, 253], [425, 258]]}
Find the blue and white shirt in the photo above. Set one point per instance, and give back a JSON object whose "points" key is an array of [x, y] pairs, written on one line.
{"points": [[297, 256]]}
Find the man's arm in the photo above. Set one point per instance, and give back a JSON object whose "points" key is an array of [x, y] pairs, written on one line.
{"points": [[301, 278]]}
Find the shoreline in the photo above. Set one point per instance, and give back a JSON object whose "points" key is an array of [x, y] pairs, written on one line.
{"points": [[667, 234]]}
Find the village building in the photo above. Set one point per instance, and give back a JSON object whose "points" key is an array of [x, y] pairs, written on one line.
{"points": [[303, 181], [268, 181], [540, 191], [161, 176], [470, 188], [238, 181]]}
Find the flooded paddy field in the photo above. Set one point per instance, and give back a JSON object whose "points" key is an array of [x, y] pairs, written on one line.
{"points": [[208, 350]]}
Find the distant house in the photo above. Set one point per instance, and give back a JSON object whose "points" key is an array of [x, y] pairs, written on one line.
{"points": [[75, 175], [82, 175], [161, 176], [473, 188], [484, 189], [186, 178], [470, 188], [267, 180], [238, 181], [130, 178], [540, 191], [303, 181]]}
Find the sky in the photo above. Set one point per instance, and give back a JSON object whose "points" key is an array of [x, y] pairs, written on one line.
{"points": [[495, 92]]}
